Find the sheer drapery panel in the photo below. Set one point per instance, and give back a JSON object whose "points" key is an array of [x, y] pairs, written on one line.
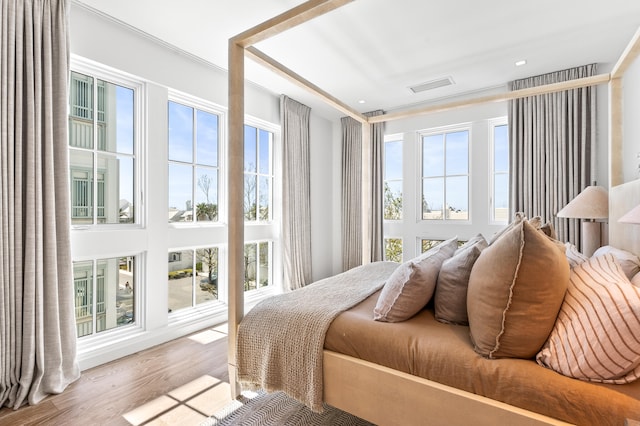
{"points": [[37, 323], [296, 193]]}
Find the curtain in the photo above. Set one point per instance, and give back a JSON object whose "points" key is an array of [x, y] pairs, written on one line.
{"points": [[352, 191], [551, 148], [37, 324], [296, 193]]}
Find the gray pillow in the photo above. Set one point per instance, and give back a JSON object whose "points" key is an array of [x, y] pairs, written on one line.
{"points": [[411, 285], [450, 299]]}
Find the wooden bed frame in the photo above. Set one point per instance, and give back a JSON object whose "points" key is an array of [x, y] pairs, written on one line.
{"points": [[373, 392]]}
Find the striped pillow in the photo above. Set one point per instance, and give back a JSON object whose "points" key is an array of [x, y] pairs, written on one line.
{"points": [[597, 334]]}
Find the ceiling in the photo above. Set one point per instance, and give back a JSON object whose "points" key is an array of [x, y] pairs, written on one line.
{"points": [[374, 50]]}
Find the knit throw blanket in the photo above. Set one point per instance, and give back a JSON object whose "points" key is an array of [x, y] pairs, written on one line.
{"points": [[280, 341]]}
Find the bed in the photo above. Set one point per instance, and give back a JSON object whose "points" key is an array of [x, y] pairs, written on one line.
{"points": [[416, 371], [387, 392]]}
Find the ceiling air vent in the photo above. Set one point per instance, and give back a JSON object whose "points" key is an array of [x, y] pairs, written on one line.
{"points": [[433, 84]]}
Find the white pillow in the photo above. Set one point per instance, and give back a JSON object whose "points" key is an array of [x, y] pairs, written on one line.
{"points": [[596, 336], [573, 255], [629, 261], [411, 285]]}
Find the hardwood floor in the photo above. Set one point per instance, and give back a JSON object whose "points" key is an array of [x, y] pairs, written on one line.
{"points": [[181, 382]]}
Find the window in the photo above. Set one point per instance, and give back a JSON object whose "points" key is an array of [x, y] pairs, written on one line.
{"points": [[193, 164], [393, 249], [500, 171], [445, 175], [258, 174], [257, 269], [192, 277], [105, 194], [393, 180], [104, 294], [101, 151]]}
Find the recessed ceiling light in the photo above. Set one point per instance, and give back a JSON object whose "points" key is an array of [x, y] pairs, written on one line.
{"points": [[521, 63], [362, 101]]}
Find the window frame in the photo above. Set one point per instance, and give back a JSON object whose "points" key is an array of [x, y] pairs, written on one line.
{"points": [[421, 134], [103, 73], [199, 104]]}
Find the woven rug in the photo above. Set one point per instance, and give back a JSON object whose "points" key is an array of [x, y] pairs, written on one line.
{"points": [[260, 408]]}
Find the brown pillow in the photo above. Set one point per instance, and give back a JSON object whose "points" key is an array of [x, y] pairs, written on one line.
{"points": [[450, 299], [515, 291], [411, 285]]}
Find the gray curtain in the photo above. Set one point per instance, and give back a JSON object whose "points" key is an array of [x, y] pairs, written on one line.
{"points": [[551, 148], [352, 191], [37, 324], [296, 193]]}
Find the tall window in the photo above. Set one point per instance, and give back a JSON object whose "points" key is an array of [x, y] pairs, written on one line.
{"points": [[103, 164], [101, 151], [258, 205], [258, 174], [193, 164], [500, 171], [445, 175]]}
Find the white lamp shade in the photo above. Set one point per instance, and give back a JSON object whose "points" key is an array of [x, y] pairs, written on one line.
{"points": [[632, 216], [591, 203]]}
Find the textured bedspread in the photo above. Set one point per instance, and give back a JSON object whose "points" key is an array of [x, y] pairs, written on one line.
{"points": [[280, 341]]}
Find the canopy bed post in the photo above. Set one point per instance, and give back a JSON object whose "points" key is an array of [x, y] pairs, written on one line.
{"points": [[616, 109], [236, 208], [238, 46]]}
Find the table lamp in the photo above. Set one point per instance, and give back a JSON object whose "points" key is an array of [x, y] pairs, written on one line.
{"points": [[590, 205]]}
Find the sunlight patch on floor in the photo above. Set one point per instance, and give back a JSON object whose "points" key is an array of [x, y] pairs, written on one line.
{"points": [[207, 336], [187, 405]]}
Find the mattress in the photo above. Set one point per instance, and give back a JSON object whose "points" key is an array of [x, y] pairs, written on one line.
{"points": [[443, 353]]}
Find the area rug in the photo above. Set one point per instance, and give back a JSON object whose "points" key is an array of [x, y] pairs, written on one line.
{"points": [[260, 408]]}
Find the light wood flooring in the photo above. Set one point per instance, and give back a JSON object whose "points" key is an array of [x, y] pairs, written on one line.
{"points": [[181, 382]]}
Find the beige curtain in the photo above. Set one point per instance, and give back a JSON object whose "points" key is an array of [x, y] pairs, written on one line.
{"points": [[37, 325], [352, 191], [296, 193], [552, 144]]}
